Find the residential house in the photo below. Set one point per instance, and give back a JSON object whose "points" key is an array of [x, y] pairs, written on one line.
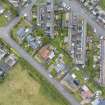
{"points": [[17, 3], [34, 42], [46, 53], [45, 17], [69, 82], [102, 61], [77, 39], [3, 69], [10, 60], [90, 4], [98, 102], [21, 33], [86, 94], [2, 53], [58, 68]]}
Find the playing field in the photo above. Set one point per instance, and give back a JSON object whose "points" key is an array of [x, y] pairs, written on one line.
{"points": [[21, 89]]}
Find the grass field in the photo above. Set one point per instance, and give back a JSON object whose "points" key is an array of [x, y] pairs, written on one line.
{"points": [[19, 88]]}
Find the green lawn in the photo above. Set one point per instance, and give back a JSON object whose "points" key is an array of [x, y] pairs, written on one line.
{"points": [[102, 4]]}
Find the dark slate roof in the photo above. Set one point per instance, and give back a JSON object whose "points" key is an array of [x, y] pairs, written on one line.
{"points": [[32, 42], [3, 69], [102, 102], [21, 32]]}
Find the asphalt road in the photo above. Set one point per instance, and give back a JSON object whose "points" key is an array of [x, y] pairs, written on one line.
{"points": [[5, 34]]}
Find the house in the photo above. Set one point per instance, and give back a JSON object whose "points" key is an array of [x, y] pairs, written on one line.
{"points": [[17, 3], [21, 33], [10, 60], [90, 4], [102, 61], [34, 42], [59, 67], [2, 53], [101, 18], [46, 53], [45, 17], [1, 9], [86, 94], [102, 102], [96, 11], [69, 83], [77, 39], [98, 102], [3, 69]]}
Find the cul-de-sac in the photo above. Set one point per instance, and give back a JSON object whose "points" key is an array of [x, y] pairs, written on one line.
{"points": [[52, 52]]}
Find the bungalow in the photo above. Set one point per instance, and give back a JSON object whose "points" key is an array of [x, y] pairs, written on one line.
{"points": [[102, 61], [101, 18], [86, 94], [15, 3], [3, 69], [98, 102], [2, 53], [10, 60], [46, 53], [90, 4], [59, 68], [77, 39], [45, 17], [102, 102], [21, 33], [34, 42], [69, 82]]}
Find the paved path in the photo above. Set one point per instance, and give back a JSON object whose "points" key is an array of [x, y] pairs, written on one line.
{"points": [[5, 34]]}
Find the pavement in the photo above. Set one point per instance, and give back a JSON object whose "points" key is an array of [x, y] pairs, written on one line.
{"points": [[5, 35]]}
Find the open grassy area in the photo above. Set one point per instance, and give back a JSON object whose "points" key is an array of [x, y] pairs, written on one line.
{"points": [[19, 88], [102, 4]]}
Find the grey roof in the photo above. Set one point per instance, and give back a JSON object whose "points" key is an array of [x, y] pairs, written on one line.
{"points": [[4, 68], [102, 102], [33, 42], [21, 32]]}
